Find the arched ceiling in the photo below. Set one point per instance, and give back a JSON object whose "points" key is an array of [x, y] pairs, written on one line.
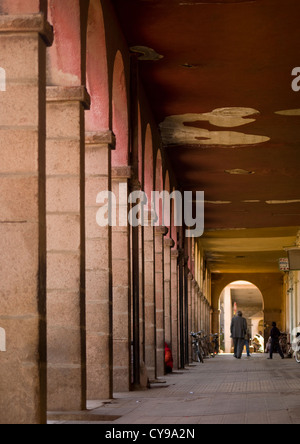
{"points": [[220, 87]]}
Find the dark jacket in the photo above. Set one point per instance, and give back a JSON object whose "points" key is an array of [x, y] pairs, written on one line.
{"points": [[275, 333], [238, 327]]}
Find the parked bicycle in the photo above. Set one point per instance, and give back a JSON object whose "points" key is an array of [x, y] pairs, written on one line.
{"points": [[285, 345], [216, 345], [198, 352], [207, 346]]}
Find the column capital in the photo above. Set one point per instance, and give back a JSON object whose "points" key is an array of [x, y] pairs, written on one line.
{"points": [[69, 94], [27, 23], [169, 242], [121, 173], [197, 287], [135, 184], [298, 239], [101, 137], [174, 254], [190, 276], [161, 231], [150, 216]]}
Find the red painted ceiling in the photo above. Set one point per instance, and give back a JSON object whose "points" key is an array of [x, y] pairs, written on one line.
{"points": [[226, 54]]}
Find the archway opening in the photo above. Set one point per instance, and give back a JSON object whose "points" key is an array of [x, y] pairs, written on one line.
{"points": [[245, 297]]}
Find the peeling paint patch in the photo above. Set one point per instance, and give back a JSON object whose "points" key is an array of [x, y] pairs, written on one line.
{"points": [[218, 202], [289, 112], [175, 131], [146, 54], [239, 172], [228, 117], [282, 202], [251, 201]]}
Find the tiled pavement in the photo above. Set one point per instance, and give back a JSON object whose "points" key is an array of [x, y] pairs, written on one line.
{"points": [[220, 391]]}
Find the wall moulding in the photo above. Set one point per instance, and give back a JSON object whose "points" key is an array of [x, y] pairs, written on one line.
{"points": [[69, 94], [27, 23], [105, 137], [121, 172]]}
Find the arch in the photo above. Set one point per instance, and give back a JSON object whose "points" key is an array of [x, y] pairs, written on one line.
{"points": [[2, 340], [64, 56], [229, 278], [2, 79], [120, 113], [96, 69], [240, 296]]}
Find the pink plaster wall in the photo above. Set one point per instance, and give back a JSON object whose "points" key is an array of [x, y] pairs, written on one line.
{"points": [[120, 113], [64, 57], [97, 70], [148, 163]]}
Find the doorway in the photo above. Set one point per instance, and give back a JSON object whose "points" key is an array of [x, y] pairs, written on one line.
{"points": [[245, 297]]}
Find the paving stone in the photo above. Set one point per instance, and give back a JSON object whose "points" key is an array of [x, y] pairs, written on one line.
{"points": [[221, 391]]}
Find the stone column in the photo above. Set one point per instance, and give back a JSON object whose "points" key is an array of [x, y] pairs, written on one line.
{"points": [[190, 314], [98, 267], [66, 248], [195, 304], [227, 319], [181, 308], [168, 244], [202, 326], [160, 232], [149, 289], [143, 369], [174, 307], [121, 285], [23, 41]]}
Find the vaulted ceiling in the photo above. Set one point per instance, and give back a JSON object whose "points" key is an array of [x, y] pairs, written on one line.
{"points": [[220, 87]]}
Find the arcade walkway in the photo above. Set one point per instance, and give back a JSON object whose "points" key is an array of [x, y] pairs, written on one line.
{"points": [[223, 391]]}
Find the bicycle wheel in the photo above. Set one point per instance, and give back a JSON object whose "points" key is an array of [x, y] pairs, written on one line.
{"points": [[200, 355], [195, 356]]}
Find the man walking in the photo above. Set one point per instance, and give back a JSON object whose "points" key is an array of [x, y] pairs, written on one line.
{"points": [[238, 332], [275, 345]]}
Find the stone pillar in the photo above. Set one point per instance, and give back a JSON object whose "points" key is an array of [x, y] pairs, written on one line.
{"points": [[121, 285], [23, 41], [144, 377], [150, 313], [227, 319], [98, 268], [195, 304], [190, 314], [66, 248], [202, 299], [181, 322], [160, 232], [174, 307], [215, 321], [168, 244]]}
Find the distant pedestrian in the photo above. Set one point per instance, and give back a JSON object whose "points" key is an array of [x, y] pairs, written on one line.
{"points": [[247, 343], [275, 346], [238, 331]]}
